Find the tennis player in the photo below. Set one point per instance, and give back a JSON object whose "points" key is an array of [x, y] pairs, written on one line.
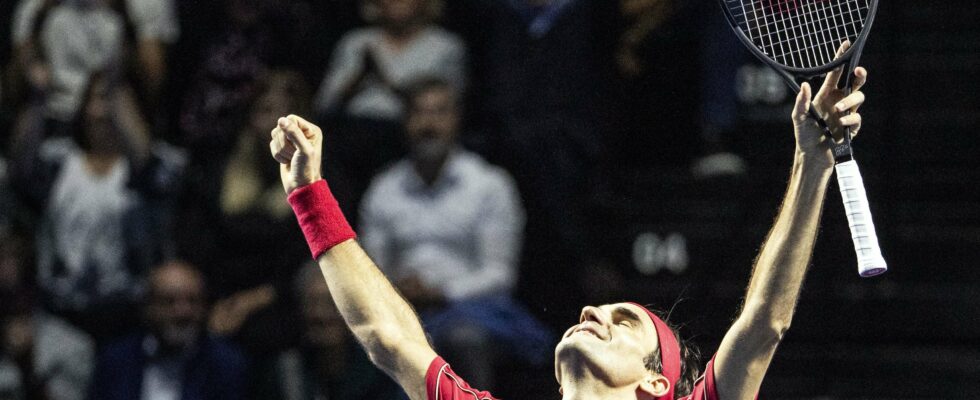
{"points": [[616, 351]]}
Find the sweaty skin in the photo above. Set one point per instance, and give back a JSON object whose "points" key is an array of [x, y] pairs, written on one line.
{"points": [[390, 331]]}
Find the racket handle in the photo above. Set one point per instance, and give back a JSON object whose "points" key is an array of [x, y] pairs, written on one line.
{"points": [[870, 261]]}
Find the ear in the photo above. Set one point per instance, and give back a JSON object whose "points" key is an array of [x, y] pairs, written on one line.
{"points": [[653, 386]]}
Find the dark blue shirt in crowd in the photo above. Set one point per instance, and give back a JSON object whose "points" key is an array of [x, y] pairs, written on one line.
{"points": [[215, 370]]}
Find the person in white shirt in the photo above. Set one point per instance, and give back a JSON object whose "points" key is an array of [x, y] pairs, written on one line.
{"points": [[448, 226], [371, 64]]}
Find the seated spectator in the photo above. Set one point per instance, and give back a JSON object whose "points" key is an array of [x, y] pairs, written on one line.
{"points": [[102, 196], [41, 356], [370, 65], [173, 358], [58, 44], [236, 229], [448, 227], [328, 363], [226, 70]]}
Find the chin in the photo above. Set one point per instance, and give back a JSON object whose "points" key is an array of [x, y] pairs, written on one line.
{"points": [[572, 351]]}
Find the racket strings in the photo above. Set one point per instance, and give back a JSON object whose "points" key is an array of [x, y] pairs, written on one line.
{"points": [[800, 33]]}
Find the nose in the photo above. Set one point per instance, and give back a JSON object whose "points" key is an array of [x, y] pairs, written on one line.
{"points": [[594, 314]]}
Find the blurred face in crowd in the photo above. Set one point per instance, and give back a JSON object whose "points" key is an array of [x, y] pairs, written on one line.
{"points": [[244, 12], [271, 105], [100, 133], [323, 326], [611, 343], [175, 305], [432, 125], [283, 94], [400, 12]]}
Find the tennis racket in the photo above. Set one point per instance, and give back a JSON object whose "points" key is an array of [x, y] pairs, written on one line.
{"points": [[799, 39]]}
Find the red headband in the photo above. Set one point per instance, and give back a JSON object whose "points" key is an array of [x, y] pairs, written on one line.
{"points": [[670, 352]]}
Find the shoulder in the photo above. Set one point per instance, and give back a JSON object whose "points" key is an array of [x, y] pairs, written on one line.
{"points": [[480, 171], [57, 149], [24, 18], [442, 38], [125, 350], [390, 180], [56, 333], [704, 387], [359, 37], [442, 383], [223, 352]]}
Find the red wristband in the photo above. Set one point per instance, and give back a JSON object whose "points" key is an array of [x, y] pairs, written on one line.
{"points": [[320, 217]]}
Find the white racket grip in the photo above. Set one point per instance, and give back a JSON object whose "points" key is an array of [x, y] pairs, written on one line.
{"points": [[870, 261]]}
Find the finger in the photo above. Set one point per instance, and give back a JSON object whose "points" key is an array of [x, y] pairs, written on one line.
{"points": [[860, 78], [851, 102], [851, 120], [802, 107], [309, 129], [295, 135], [278, 155], [833, 78], [282, 145]]}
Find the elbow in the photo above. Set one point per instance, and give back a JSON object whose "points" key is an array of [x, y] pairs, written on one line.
{"points": [[765, 325], [382, 344]]}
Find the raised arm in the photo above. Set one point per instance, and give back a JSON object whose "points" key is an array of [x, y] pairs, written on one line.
{"points": [[383, 322], [748, 347]]}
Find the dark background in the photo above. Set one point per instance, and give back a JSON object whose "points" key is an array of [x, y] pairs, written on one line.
{"points": [[911, 333]]}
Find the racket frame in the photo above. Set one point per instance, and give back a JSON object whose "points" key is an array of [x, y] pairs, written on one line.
{"points": [[793, 76]]}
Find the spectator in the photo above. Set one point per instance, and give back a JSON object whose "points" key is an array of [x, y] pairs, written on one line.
{"points": [[371, 64], [41, 356], [174, 358], [540, 104], [58, 44], [235, 223], [328, 363], [230, 63], [448, 227], [103, 197]]}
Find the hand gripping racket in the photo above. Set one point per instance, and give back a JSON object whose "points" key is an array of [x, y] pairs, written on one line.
{"points": [[798, 39]]}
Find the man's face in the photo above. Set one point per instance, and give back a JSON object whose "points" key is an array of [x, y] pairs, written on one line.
{"points": [[175, 307], [432, 124], [610, 342], [400, 12]]}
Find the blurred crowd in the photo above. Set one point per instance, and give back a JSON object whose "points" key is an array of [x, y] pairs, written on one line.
{"points": [[146, 247]]}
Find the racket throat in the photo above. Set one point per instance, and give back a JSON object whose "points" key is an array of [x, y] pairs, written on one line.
{"points": [[842, 152]]}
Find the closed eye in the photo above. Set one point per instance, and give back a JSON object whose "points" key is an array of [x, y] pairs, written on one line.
{"points": [[626, 317]]}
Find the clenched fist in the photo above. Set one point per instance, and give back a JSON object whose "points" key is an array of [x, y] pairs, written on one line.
{"points": [[296, 145]]}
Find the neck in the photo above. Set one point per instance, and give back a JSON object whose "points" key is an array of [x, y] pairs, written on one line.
{"points": [[596, 390], [399, 34], [100, 163], [582, 384], [430, 170]]}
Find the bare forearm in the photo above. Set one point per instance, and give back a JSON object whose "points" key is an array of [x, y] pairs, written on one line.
{"points": [[779, 270], [377, 314]]}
